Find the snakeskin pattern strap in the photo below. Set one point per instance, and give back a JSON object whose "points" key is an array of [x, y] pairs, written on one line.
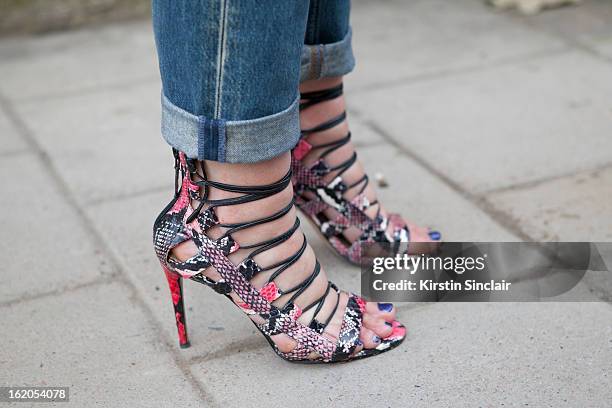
{"points": [[314, 194], [180, 222]]}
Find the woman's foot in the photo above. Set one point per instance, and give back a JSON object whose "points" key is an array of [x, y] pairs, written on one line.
{"points": [[331, 184], [292, 256]]}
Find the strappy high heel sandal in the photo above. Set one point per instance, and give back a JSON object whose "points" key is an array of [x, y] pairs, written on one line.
{"points": [[180, 222], [315, 194]]}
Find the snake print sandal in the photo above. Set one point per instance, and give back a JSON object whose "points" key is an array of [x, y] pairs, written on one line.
{"points": [[315, 194], [180, 222]]}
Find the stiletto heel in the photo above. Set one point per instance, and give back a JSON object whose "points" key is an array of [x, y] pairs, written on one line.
{"points": [[179, 222], [175, 283]]}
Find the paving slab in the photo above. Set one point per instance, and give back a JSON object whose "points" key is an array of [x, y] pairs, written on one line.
{"points": [[44, 247], [58, 64], [96, 341], [503, 126], [104, 144], [584, 23], [400, 39], [9, 138], [575, 208], [361, 135], [459, 354], [604, 47]]}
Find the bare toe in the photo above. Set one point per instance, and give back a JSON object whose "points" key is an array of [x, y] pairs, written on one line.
{"points": [[378, 325], [369, 339], [284, 343], [419, 234], [385, 311], [423, 241]]}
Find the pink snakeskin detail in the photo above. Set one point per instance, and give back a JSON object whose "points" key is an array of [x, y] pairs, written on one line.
{"points": [[399, 331], [350, 213], [361, 202], [305, 176], [311, 207], [252, 301], [184, 198], [229, 274], [295, 313], [361, 302], [270, 292], [302, 149], [245, 308], [306, 342], [350, 329]]}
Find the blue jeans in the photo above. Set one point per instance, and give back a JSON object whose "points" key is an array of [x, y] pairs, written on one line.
{"points": [[231, 69]]}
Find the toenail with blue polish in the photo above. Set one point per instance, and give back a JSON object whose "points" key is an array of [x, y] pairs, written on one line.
{"points": [[385, 307], [376, 339], [435, 235]]}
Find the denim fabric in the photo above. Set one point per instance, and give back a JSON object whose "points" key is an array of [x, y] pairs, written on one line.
{"points": [[327, 50], [327, 60], [230, 71], [242, 141]]}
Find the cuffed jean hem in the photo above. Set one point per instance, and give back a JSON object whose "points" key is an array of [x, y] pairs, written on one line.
{"points": [[244, 141], [327, 60]]}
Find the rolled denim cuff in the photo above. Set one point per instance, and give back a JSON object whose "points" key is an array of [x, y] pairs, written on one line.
{"points": [[327, 60], [244, 141]]}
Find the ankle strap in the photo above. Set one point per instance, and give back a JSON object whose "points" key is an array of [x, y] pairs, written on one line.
{"points": [[249, 193], [335, 121], [313, 98], [216, 251]]}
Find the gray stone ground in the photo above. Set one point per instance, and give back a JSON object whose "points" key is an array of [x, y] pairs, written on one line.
{"points": [[487, 125]]}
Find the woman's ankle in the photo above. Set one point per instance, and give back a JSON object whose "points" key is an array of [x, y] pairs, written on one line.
{"points": [[243, 174], [319, 113], [313, 85], [247, 174]]}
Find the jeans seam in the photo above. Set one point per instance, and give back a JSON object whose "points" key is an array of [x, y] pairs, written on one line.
{"points": [[221, 58], [315, 63], [314, 24], [327, 60], [321, 49]]}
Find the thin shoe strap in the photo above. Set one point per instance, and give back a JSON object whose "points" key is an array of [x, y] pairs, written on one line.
{"points": [[250, 193], [313, 98], [333, 122]]}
